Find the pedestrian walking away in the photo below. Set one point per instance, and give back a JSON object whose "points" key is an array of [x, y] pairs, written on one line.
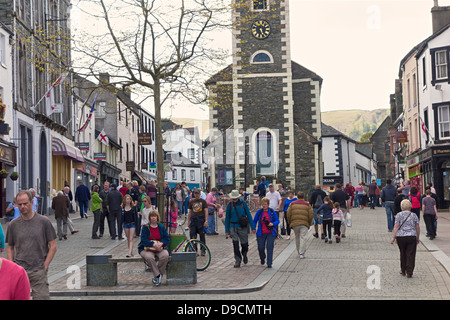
{"points": [[238, 222], [415, 199], [338, 220], [327, 218], [61, 205], [316, 200], [406, 233], [82, 196], [31, 242], [341, 197], [430, 214], [266, 221], [388, 195], [286, 205], [300, 216]]}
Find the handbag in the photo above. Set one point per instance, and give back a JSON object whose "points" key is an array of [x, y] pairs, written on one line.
{"points": [[153, 248], [283, 230], [349, 220]]}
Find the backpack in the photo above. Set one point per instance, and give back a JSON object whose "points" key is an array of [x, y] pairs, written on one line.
{"points": [[415, 201], [319, 201], [243, 220]]}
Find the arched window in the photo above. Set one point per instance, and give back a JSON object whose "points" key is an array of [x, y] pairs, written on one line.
{"points": [[261, 57]]}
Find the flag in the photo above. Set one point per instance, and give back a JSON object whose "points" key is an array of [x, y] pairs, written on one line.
{"points": [[50, 104], [171, 166], [103, 138], [84, 126], [424, 129]]}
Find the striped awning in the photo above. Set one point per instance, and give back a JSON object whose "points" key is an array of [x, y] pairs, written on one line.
{"points": [[60, 148]]}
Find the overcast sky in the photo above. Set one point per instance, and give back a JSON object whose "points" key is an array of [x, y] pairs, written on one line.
{"points": [[355, 46]]}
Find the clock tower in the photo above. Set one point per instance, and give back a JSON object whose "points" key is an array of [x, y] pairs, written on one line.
{"points": [[274, 108]]}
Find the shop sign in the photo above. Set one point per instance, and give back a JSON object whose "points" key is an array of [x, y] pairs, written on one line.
{"points": [[8, 155], [441, 151], [99, 156], [144, 138], [129, 165], [83, 146], [413, 161], [401, 136]]}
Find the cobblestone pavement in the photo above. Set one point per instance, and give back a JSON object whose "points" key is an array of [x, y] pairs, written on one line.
{"points": [[363, 266]]}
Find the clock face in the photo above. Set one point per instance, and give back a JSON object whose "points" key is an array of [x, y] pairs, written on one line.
{"points": [[261, 29]]}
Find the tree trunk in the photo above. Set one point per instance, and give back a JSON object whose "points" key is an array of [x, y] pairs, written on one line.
{"points": [[159, 149]]}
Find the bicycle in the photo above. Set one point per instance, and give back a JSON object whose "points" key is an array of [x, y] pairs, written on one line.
{"points": [[201, 249]]}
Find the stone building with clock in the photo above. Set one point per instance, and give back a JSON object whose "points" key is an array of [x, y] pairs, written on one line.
{"points": [[265, 109]]}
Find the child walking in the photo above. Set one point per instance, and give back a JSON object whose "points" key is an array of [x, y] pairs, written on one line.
{"points": [[326, 210], [338, 219]]}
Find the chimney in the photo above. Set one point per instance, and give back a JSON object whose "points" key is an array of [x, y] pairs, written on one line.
{"points": [[440, 16], [104, 78]]}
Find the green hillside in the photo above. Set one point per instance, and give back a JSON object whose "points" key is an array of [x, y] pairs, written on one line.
{"points": [[354, 123]]}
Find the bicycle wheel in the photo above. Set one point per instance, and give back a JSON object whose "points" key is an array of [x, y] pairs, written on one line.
{"points": [[203, 253]]}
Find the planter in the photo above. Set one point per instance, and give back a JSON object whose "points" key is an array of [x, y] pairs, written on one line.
{"points": [[14, 176], [3, 175]]}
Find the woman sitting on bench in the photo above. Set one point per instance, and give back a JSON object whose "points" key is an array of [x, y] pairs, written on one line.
{"points": [[154, 243]]}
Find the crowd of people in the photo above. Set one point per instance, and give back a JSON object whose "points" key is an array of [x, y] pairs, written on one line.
{"points": [[131, 209]]}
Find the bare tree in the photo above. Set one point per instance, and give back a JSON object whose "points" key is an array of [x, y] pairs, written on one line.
{"points": [[156, 47]]}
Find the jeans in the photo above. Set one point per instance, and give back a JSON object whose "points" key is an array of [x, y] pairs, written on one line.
{"points": [[389, 206], [212, 222], [266, 240], [83, 207], [180, 207]]}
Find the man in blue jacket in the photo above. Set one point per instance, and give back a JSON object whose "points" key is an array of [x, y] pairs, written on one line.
{"points": [[237, 222], [83, 196]]}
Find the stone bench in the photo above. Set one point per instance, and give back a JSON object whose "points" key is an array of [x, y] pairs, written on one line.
{"points": [[102, 270]]}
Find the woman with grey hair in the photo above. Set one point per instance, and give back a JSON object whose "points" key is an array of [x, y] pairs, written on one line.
{"points": [[406, 232]]}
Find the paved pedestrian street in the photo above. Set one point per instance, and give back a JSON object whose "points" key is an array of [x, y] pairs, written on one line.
{"points": [[363, 266]]}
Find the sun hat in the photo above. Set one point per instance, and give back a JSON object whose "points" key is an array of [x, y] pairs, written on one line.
{"points": [[234, 194]]}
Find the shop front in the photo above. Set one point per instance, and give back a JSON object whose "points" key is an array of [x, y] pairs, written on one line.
{"points": [[8, 159], [440, 166], [108, 172], [64, 155], [87, 173], [432, 165]]}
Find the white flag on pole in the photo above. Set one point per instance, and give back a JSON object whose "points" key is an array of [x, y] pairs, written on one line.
{"points": [[50, 104]]}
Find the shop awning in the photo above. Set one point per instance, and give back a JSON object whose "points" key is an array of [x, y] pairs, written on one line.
{"points": [[60, 148]]}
